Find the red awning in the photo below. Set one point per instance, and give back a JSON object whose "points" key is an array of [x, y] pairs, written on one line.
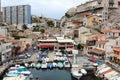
{"points": [[46, 46]]}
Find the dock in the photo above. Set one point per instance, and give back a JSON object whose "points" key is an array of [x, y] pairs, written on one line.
{"points": [[3, 68]]}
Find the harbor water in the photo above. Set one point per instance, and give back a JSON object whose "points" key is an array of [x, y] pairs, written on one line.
{"points": [[59, 74]]}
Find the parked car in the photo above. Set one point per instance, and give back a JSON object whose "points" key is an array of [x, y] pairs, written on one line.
{"points": [[22, 56], [28, 55]]}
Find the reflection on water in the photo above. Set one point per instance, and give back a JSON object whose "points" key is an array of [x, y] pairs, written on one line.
{"points": [[57, 74], [54, 74]]}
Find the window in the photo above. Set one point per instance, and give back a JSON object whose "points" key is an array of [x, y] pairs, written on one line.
{"points": [[117, 43], [99, 45], [94, 19]]}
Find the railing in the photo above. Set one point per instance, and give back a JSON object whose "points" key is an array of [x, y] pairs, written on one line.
{"points": [[47, 44]]}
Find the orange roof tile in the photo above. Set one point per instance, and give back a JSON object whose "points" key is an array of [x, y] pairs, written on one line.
{"points": [[106, 30], [100, 35], [96, 37], [2, 38], [96, 50], [115, 31], [116, 49], [102, 41], [108, 71]]}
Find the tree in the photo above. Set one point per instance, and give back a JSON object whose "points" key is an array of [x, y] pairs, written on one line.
{"points": [[16, 36], [79, 47], [36, 28], [62, 51], [67, 15], [42, 30], [24, 27], [50, 23]]}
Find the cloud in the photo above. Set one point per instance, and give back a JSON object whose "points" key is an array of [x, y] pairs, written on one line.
{"points": [[49, 8]]}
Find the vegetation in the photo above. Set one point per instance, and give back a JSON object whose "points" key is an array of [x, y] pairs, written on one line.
{"points": [[35, 20], [62, 51], [98, 30], [67, 15], [80, 47], [13, 31], [42, 30], [21, 30], [50, 23], [16, 36], [36, 28], [24, 27], [15, 50], [40, 17]]}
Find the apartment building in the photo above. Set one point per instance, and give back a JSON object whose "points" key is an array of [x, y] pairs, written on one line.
{"points": [[3, 31], [96, 7], [56, 43], [20, 14], [5, 49]]}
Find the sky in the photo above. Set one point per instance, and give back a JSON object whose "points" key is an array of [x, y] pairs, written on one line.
{"points": [[48, 8]]}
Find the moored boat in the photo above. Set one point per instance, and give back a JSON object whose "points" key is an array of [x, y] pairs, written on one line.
{"points": [[32, 65], [76, 73], [60, 65], [66, 64], [44, 65], [21, 77], [50, 65], [83, 71], [26, 65], [38, 65], [54, 64], [12, 73]]}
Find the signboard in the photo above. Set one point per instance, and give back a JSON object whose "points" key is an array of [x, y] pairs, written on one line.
{"points": [[75, 52]]}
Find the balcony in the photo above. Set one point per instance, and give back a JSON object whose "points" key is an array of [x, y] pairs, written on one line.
{"points": [[111, 1], [47, 44], [91, 43]]}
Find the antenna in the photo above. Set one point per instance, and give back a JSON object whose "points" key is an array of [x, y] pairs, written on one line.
{"points": [[0, 5]]}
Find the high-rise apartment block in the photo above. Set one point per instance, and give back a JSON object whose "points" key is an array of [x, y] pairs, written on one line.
{"points": [[1, 17], [17, 14]]}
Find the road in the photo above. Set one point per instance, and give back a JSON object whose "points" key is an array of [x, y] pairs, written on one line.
{"points": [[81, 60]]}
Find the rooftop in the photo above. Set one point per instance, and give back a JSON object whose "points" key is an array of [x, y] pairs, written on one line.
{"points": [[117, 49], [97, 36], [47, 40], [102, 41], [95, 50]]}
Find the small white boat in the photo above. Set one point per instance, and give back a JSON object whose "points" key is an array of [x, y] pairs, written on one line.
{"points": [[44, 65], [77, 74], [26, 65], [21, 77], [12, 68], [14, 73], [25, 73], [54, 64], [17, 65], [32, 65], [83, 71], [46, 59]]}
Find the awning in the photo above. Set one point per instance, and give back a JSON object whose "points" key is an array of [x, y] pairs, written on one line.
{"points": [[46, 46], [95, 50]]}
